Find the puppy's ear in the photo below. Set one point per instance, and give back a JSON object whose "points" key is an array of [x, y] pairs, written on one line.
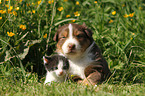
{"points": [[88, 32], [84, 24], [59, 26], [55, 38]]}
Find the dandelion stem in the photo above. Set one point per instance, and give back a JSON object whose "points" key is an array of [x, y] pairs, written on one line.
{"points": [[52, 18]]}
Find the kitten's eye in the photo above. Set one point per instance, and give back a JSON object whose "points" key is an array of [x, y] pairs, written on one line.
{"points": [[51, 68], [55, 68], [65, 67]]}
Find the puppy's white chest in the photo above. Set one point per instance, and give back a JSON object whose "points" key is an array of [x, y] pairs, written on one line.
{"points": [[77, 68]]}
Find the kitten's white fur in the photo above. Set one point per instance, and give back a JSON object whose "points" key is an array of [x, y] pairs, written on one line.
{"points": [[55, 75]]}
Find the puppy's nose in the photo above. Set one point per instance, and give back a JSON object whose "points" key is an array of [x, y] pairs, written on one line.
{"points": [[71, 46]]}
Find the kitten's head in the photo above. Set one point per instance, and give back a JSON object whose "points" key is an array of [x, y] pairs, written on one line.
{"points": [[56, 64]]}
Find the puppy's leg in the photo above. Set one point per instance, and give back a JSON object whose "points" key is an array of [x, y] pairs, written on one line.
{"points": [[93, 75], [93, 79], [76, 79]]}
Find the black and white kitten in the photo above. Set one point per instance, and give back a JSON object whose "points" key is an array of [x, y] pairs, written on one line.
{"points": [[56, 67]]}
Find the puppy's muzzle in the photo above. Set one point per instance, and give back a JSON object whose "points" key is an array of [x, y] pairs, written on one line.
{"points": [[71, 48]]}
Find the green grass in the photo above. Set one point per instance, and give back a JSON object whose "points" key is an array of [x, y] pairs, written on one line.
{"points": [[32, 87], [33, 25]]}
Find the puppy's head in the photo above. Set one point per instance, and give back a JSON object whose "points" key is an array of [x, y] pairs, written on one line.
{"points": [[73, 39]]}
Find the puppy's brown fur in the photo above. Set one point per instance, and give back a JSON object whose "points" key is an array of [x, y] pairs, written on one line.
{"points": [[96, 69]]}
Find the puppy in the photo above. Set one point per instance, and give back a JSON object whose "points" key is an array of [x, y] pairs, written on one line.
{"points": [[76, 43]]}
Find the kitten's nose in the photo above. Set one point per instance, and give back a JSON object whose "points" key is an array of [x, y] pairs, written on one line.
{"points": [[60, 73]]}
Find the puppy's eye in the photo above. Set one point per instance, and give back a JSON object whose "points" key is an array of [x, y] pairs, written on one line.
{"points": [[79, 36], [63, 37]]}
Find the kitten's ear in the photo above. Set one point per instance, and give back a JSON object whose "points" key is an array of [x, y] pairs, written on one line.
{"points": [[46, 59]]}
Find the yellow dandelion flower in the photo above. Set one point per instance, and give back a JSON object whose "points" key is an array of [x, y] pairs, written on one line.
{"points": [[50, 2], [73, 20], [67, 16], [11, 7], [45, 36], [133, 33], [125, 15], [76, 13], [33, 11], [65, 0], [7, 6], [15, 13], [32, 3], [17, 8], [0, 2], [131, 38], [77, 3], [131, 15], [1, 18], [3, 12], [10, 34], [6, 0], [23, 27], [60, 8], [111, 21], [95, 2], [9, 11], [114, 12], [39, 2]]}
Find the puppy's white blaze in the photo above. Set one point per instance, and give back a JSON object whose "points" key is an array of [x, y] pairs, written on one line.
{"points": [[70, 31], [70, 40]]}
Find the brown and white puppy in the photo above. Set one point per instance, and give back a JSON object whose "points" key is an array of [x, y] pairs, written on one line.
{"points": [[76, 43]]}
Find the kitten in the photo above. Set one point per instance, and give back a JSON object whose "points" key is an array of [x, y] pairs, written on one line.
{"points": [[56, 67]]}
